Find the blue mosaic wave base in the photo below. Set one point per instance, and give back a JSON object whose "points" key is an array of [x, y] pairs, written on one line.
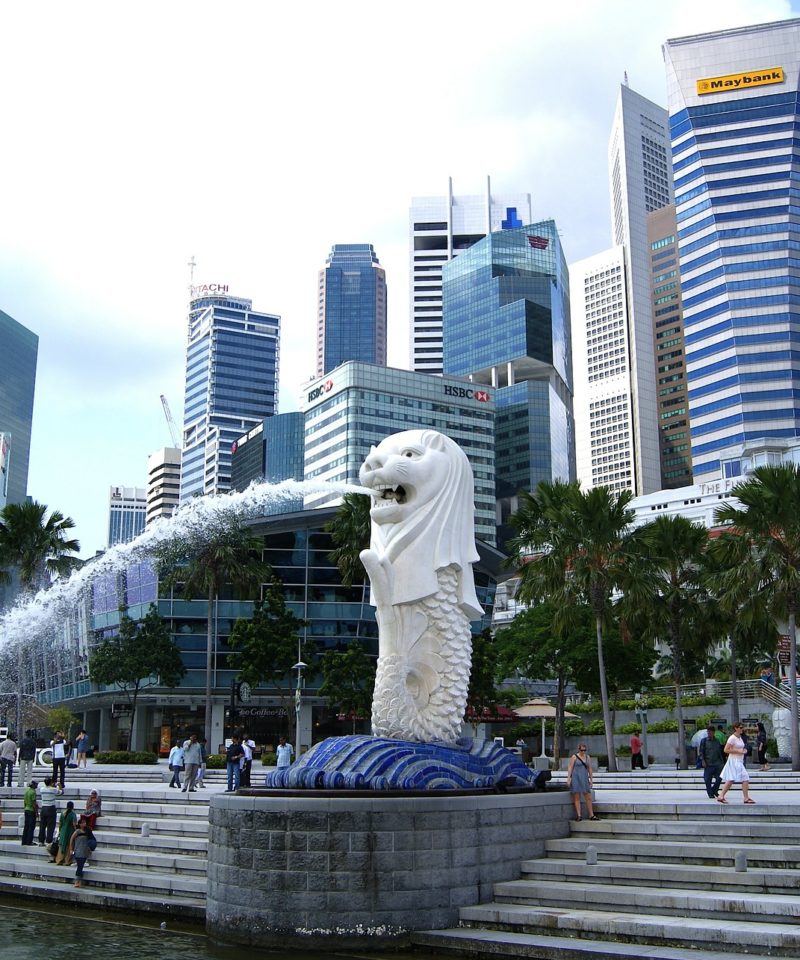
{"points": [[375, 763]]}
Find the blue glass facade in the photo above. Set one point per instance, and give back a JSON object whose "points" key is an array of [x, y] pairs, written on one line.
{"points": [[506, 324], [737, 193], [231, 386], [272, 451], [19, 349], [352, 308]]}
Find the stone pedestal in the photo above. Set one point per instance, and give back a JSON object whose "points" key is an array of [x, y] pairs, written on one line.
{"points": [[321, 872]]}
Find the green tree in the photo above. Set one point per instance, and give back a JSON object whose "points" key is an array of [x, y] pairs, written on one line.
{"points": [[266, 648], [482, 693], [141, 654], [36, 545], [61, 718], [769, 520], [203, 562], [349, 680], [350, 531], [665, 585], [572, 547]]}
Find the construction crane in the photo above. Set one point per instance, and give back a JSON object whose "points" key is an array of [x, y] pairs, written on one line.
{"points": [[170, 423]]}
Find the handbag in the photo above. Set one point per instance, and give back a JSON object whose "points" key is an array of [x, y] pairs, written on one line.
{"points": [[92, 842], [53, 849]]}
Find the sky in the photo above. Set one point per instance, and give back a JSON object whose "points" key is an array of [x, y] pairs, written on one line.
{"points": [[253, 136]]}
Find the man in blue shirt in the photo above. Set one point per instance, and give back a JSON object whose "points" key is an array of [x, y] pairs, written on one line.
{"points": [[234, 754]]}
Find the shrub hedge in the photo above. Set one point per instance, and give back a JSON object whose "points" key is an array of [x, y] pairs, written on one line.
{"points": [[125, 756]]}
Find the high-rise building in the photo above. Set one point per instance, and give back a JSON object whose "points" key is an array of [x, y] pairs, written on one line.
{"points": [[273, 452], [604, 438], [507, 327], [231, 384], [163, 483], [351, 311], [639, 182], [734, 116], [358, 404], [127, 512], [673, 401], [19, 349], [440, 228]]}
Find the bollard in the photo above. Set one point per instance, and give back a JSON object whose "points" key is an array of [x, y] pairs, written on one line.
{"points": [[591, 855], [21, 821], [145, 829], [740, 861]]}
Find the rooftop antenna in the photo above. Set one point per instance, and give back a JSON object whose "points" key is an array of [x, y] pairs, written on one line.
{"points": [[624, 80]]}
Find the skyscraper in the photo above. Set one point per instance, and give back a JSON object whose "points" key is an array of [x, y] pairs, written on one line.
{"points": [[351, 312], [640, 182], [127, 510], [19, 349], [507, 326], [271, 451], [673, 403], [231, 384], [440, 228], [163, 483], [604, 438], [734, 116]]}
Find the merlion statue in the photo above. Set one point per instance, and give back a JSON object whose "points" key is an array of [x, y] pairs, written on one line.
{"points": [[419, 563]]}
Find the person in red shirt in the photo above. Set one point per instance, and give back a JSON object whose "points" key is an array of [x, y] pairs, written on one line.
{"points": [[636, 752]]}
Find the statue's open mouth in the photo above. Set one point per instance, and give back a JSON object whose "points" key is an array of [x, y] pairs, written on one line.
{"points": [[391, 494]]}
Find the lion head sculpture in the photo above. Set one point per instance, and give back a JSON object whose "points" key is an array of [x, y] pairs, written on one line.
{"points": [[423, 514]]}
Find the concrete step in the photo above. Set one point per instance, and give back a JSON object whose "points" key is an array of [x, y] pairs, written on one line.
{"points": [[184, 907], [694, 876], [661, 851], [705, 810], [196, 846], [109, 854], [742, 936], [716, 905], [753, 829], [502, 943]]}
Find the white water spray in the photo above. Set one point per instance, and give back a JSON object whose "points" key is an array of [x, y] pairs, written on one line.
{"points": [[31, 618]]}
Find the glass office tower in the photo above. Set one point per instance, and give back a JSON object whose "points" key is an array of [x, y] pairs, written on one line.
{"points": [[19, 348], [351, 311], [506, 324], [734, 119], [231, 386]]}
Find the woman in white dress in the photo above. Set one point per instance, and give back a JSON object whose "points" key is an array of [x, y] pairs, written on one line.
{"points": [[734, 770]]}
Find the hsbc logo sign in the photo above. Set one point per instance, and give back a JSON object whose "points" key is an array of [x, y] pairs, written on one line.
{"points": [[465, 393], [319, 391]]}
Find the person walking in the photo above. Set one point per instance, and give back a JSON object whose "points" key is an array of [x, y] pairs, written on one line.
{"points": [[636, 752], [203, 764], [175, 764], [761, 746], [8, 754], [234, 755], [284, 752], [247, 763], [81, 748], [734, 770], [27, 755], [30, 807], [66, 827], [193, 758], [59, 747], [93, 809], [713, 757], [579, 781], [80, 847], [48, 792]]}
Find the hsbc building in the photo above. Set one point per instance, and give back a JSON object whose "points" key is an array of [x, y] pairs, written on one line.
{"points": [[358, 404]]}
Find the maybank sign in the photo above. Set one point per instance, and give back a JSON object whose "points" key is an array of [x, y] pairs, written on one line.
{"points": [[739, 81]]}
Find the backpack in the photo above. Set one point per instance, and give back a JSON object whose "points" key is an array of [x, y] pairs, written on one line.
{"points": [[92, 842]]}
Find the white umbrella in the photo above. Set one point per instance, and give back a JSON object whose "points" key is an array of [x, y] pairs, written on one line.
{"points": [[540, 710]]}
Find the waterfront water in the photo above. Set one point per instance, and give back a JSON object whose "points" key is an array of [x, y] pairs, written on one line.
{"points": [[55, 933]]}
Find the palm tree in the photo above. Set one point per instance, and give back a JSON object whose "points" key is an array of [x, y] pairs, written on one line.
{"points": [[572, 547], [350, 532], [664, 585], [769, 519], [231, 555], [36, 545]]}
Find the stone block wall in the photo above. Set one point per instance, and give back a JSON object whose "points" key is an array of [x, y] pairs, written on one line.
{"points": [[364, 871]]}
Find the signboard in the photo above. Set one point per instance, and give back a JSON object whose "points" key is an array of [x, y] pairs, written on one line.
{"points": [[740, 81], [783, 650]]}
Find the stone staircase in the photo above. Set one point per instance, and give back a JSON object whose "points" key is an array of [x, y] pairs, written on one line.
{"points": [[151, 851], [664, 885]]}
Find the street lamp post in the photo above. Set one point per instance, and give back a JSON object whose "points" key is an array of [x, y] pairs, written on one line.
{"points": [[299, 667], [641, 716]]}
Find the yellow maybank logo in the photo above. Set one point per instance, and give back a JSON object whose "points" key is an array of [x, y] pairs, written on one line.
{"points": [[737, 81]]}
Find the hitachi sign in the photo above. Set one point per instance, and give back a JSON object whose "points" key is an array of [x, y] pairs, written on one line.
{"points": [[739, 81], [209, 290]]}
